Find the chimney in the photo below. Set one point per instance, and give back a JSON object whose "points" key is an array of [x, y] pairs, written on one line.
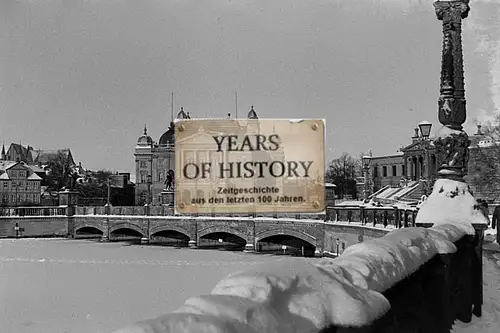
{"points": [[479, 130]]}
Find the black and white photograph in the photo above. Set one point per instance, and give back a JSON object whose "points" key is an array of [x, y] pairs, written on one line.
{"points": [[249, 166]]}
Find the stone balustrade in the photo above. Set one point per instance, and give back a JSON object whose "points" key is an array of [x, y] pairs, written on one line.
{"points": [[33, 211], [397, 217], [411, 280]]}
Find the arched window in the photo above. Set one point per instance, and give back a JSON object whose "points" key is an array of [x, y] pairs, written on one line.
{"points": [[186, 196]]}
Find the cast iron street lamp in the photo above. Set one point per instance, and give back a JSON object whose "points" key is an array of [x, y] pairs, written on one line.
{"points": [[108, 195], [149, 189], [425, 129], [451, 195], [366, 166]]}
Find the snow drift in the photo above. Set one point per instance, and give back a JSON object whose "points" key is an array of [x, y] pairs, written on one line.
{"points": [[309, 296]]}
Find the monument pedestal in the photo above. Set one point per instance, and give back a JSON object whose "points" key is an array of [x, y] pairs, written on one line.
{"points": [[167, 198], [68, 199]]}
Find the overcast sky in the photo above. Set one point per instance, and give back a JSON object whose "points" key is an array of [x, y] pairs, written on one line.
{"points": [[88, 74]]}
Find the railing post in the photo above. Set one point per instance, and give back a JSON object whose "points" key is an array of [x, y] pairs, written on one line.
{"points": [[478, 270], [147, 212], [107, 209], [397, 217]]}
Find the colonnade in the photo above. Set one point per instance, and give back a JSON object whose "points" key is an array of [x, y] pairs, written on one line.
{"points": [[420, 166]]}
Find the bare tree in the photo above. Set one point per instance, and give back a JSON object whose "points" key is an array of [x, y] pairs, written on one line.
{"points": [[343, 172], [484, 159]]}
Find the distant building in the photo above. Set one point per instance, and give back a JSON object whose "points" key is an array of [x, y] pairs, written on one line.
{"points": [[19, 184], [30, 156], [414, 169], [122, 190], [157, 159]]}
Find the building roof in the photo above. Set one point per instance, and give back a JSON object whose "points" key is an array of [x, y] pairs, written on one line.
{"points": [[145, 139], [4, 176], [34, 176], [36, 168], [45, 156], [252, 114], [22, 152], [5, 165], [169, 136]]}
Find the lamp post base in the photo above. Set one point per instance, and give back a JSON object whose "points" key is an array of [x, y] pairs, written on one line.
{"points": [[451, 203]]}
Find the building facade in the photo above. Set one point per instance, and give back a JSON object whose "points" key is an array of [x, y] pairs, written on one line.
{"points": [[154, 161], [19, 184], [417, 163]]}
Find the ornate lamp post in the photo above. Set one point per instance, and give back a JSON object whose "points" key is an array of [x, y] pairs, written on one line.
{"points": [[425, 128], [451, 200], [366, 166], [149, 189]]}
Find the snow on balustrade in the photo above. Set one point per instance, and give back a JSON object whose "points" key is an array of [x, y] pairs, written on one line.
{"points": [[451, 203], [380, 263], [33, 211], [310, 296]]}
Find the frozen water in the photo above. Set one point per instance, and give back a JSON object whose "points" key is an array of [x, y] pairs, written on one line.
{"points": [[57, 285]]}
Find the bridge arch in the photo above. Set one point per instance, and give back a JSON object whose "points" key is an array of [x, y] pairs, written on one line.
{"points": [[88, 225], [287, 232], [126, 226], [221, 229], [170, 228]]}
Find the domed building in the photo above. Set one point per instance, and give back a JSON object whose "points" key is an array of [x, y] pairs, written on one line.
{"points": [[154, 160]]}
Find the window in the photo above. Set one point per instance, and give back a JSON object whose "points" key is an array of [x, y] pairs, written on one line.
{"points": [[403, 170], [5, 185], [144, 178], [143, 164], [394, 171], [22, 173], [384, 171], [375, 172]]}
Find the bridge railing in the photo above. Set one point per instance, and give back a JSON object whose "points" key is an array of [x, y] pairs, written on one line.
{"points": [[32, 211], [366, 215], [169, 211]]}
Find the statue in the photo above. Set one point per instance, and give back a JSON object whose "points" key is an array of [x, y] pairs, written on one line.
{"points": [[70, 182], [169, 182]]}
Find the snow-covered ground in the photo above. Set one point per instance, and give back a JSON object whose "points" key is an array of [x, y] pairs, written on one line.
{"points": [[58, 285], [490, 320], [76, 286]]}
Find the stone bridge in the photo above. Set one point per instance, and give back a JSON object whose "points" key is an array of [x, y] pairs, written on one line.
{"points": [[334, 231], [249, 231]]}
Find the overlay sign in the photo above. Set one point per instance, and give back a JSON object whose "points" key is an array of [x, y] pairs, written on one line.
{"points": [[249, 166]]}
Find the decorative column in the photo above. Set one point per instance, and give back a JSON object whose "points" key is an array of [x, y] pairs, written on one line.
{"points": [[451, 201]]}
